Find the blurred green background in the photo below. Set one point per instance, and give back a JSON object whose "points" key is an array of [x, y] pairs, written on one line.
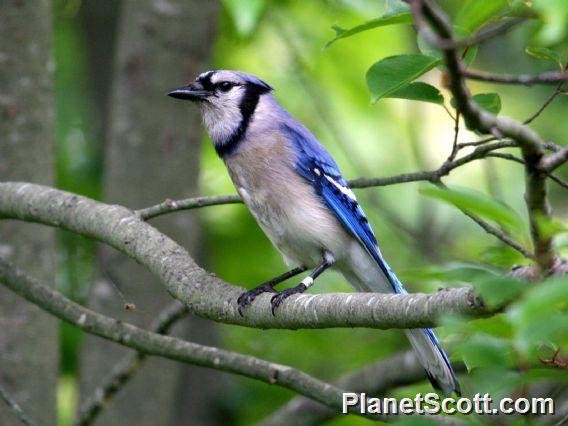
{"points": [[283, 43]]}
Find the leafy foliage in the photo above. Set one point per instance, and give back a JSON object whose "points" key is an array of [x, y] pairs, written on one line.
{"points": [[545, 53], [479, 204], [394, 73], [245, 14], [476, 13], [390, 18]]}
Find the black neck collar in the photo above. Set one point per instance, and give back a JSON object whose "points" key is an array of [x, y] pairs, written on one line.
{"points": [[247, 107]]}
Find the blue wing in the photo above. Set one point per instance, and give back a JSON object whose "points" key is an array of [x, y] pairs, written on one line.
{"points": [[317, 166]]}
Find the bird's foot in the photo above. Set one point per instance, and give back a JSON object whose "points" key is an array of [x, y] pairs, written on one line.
{"points": [[284, 294], [248, 297]]}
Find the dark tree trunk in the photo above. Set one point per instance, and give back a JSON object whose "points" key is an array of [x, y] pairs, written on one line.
{"points": [[152, 153], [28, 336]]}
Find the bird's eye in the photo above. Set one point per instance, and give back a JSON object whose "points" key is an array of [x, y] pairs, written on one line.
{"points": [[225, 86]]}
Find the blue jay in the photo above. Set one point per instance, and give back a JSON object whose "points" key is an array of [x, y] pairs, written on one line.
{"points": [[295, 191]]}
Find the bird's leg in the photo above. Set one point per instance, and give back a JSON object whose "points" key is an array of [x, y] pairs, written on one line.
{"points": [[306, 283], [247, 297]]}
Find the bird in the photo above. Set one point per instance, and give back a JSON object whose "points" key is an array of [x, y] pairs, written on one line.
{"points": [[299, 198]]}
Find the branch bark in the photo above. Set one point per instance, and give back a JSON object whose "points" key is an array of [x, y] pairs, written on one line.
{"points": [[433, 176], [399, 370], [530, 143], [159, 43], [206, 295], [164, 346], [27, 153], [125, 369], [550, 77]]}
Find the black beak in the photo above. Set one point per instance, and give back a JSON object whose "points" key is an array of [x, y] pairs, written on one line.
{"points": [[189, 92]]}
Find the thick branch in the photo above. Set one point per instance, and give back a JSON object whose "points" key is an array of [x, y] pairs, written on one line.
{"points": [[164, 346], [206, 295], [532, 146], [375, 379], [125, 369]]}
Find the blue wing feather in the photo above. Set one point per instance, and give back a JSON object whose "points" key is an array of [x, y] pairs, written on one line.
{"points": [[317, 166]]}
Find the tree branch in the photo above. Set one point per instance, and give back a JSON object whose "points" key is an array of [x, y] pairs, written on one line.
{"points": [[15, 407], [206, 295], [553, 161], [170, 206], [433, 176], [123, 371], [376, 379], [165, 346], [549, 77], [530, 143]]}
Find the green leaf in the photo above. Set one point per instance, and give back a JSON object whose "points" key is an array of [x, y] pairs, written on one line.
{"points": [[496, 292], [419, 92], [544, 53], [395, 72], [502, 255], [490, 102], [474, 13], [540, 317], [452, 272], [245, 14], [402, 17], [549, 227], [482, 350], [478, 204]]}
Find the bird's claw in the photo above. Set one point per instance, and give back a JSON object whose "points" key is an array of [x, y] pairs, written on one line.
{"points": [[277, 299], [248, 297]]}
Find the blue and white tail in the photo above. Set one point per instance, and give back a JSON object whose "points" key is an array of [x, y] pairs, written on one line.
{"points": [[366, 277], [433, 359]]}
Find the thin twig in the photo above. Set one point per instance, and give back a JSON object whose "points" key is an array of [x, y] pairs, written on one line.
{"points": [[15, 407], [125, 369], [426, 176], [530, 143], [549, 77], [492, 230], [455, 147], [169, 206], [511, 157], [550, 146]]}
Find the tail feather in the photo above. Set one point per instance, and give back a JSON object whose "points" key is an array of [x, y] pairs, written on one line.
{"points": [[363, 274], [434, 360]]}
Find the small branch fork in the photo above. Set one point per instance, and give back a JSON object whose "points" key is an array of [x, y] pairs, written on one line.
{"points": [[125, 369], [149, 343], [433, 176], [538, 165]]}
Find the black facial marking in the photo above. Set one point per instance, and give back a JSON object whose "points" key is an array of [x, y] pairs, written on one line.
{"points": [[247, 106], [205, 81]]}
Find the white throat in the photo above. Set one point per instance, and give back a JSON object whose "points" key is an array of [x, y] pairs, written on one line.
{"points": [[222, 117]]}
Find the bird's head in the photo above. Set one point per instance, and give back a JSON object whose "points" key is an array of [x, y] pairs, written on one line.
{"points": [[228, 100]]}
